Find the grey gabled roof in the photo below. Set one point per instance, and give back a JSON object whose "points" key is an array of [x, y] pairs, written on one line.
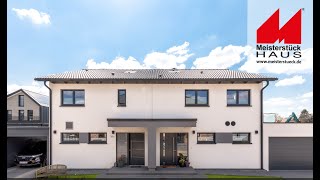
{"points": [[41, 99], [155, 74]]}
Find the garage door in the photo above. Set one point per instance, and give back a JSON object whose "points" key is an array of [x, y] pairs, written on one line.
{"points": [[290, 153]]}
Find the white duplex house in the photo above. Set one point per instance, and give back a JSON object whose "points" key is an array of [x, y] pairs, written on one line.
{"points": [[148, 117]]}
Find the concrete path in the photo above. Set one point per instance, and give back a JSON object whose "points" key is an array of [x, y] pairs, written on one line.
{"points": [[21, 172]]}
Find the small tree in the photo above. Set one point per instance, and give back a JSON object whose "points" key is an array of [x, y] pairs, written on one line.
{"points": [[278, 118], [305, 117]]}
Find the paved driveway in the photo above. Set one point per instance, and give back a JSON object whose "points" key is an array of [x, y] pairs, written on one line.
{"points": [[21, 172]]}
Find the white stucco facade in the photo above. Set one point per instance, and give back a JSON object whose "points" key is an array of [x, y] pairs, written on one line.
{"points": [[156, 101], [283, 130]]}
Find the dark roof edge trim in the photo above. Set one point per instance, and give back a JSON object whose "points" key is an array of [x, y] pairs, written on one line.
{"points": [[146, 119]]}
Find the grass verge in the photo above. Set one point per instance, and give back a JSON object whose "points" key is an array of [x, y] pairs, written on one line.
{"points": [[221, 176], [74, 176]]}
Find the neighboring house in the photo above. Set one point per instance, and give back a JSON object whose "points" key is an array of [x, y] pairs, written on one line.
{"points": [[148, 116], [27, 120]]}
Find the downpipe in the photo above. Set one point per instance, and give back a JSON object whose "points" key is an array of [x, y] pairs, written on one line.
{"points": [[50, 122], [261, 121]]}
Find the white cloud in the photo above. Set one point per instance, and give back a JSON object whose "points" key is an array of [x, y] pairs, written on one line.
{"points": [[174, 57], [284, 106], [307, 95], [291, 81], [35, 87], [34, 15], [117, 63], [306, 65], [221, 58]]}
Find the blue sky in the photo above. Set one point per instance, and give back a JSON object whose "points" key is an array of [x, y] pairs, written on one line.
{"points": [[156, 34]]}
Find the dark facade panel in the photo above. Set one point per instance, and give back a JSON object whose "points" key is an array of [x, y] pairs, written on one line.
{"points": [[13, 131], [223, 137], [44, 114], [290, 153], [83, 137], [152, 123]]}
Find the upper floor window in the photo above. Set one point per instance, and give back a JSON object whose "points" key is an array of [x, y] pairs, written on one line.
{"points": [[72, 97], [241, 138], [21, 100], [98, 138], [121, 97], [206, 138], [70, 138], [238, 97], [196, 98]]}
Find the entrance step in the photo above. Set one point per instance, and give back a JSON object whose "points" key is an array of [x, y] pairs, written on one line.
{"points": [[146, 171]]}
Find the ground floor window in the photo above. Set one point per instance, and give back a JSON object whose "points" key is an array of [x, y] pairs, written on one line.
{"points": [[241, 138], [206, 138], [70, 138], [98, 138]]}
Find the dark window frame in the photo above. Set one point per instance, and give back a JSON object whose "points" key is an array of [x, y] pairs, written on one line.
{"points": [[19, 116], [69, 142], [242, 142], [196, 98], [98, 142], [206, 142], [125, 98], [237, 97], [73, 97], [20, 104], [28, 115]]}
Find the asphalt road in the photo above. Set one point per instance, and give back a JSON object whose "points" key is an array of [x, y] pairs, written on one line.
{"points": [[21, 172]]}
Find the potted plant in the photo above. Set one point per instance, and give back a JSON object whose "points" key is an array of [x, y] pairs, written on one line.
{"points": [[187, 162], [121, 161], [182, 160]]}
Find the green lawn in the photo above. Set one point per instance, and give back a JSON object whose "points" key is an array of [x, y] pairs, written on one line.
{"points": [[78, 176], [218, 176]]}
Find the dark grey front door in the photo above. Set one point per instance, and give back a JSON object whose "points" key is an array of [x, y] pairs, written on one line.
{"points": [[136, 149], [291, 153], [130, 148], [168, 149]]}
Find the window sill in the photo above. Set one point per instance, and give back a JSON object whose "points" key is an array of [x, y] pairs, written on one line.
{"points": [[97, 143], [119, 105], [72, 105], [69, 143], [241, 143], [206, 105], [239, 105], [206, 143]]}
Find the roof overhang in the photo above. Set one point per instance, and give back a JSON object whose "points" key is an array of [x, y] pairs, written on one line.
{"points": [[157, 81], [123, 122]]}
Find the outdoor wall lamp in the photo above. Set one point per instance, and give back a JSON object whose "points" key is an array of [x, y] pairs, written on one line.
{"points": [[256, 131], [193, 132], [112, 132], [54, 132]]}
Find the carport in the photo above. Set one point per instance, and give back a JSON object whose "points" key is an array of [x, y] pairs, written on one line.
{"points": [[20, 136]]}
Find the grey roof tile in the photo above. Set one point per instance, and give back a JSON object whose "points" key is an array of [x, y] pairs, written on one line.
{"points": [[150, 74]]}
